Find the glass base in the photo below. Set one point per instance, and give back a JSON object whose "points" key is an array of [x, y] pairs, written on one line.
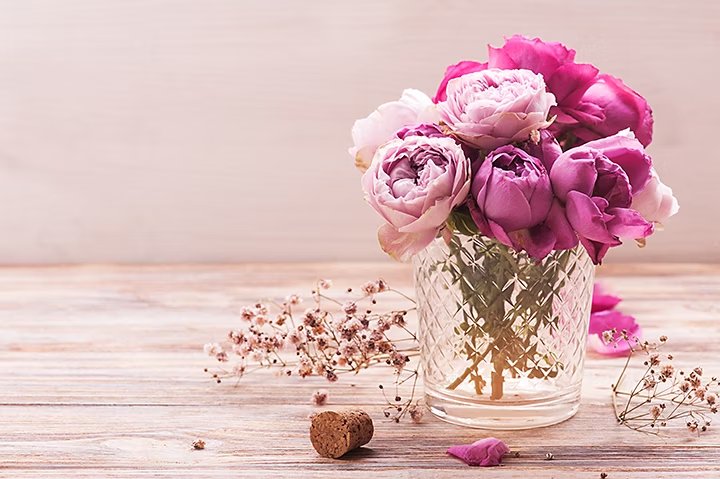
{"points": [[506, 414]]}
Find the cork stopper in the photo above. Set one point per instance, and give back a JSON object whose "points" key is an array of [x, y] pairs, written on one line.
{"points": [[334, 433]]}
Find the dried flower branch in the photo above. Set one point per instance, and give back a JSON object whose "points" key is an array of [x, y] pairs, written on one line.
{"points": [[329, 339], [663, 393]]}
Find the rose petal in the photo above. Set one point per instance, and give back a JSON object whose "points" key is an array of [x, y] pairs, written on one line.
{"points": [[371, 132], [547, 151], [403, 246], [628, 223], [574, 170], [485, 452], [602, 301], [537, 241], [531, 54], [655, 202], [454, 71], [570, 81], [606, 320], [565, 236], [586, 218], [630, 155], [596, 249]]}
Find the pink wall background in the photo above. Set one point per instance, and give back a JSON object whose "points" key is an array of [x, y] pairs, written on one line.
{"points": [[217, 130]]}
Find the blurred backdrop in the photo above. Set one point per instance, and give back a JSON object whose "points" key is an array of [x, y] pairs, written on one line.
{"points": [[217, 130]]}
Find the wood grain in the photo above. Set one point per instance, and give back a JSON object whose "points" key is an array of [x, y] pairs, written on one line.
{"points": [[101, 376]]}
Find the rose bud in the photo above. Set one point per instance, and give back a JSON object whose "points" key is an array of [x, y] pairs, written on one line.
{"points": [[512, 198], [414, 183]]}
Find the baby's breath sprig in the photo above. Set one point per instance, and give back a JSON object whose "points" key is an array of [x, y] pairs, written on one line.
{"points": [[330, 338], [663, 394]]}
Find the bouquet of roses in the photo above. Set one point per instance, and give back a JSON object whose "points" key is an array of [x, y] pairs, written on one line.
{"points": [[530, 148], [497, 181]]}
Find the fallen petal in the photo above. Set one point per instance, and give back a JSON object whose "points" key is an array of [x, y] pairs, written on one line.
{"points": [[601, 301], [485, 452], [608, 320]]}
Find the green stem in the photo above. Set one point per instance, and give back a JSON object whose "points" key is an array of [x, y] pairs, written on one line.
{"points": [[507, 298]]}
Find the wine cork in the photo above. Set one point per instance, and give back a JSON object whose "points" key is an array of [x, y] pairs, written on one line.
{"points": [[334, 433]]}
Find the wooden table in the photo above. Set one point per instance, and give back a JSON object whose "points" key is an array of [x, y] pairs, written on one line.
{"points": [[101, 375]]}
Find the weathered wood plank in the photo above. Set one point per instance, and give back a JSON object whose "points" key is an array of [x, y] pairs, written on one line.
{"points": [[101, 376]]}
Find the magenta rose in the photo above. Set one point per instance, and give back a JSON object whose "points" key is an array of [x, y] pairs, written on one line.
{"points": [[414, 183], [513, 198], [492, 108], [566, 79], [608, 107], [590, 105], [595, 183]]}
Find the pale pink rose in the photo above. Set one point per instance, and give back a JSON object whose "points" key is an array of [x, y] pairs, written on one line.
{"points": [[414, 183], [655, 202], [491, 108], [378, 128]]}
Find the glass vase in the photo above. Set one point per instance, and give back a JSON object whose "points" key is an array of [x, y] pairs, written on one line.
{"points": [[502, 335]]}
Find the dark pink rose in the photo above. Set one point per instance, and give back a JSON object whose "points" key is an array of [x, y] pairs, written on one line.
{"points": [[608, 107], [595, 183], [590, 105], [512, 198], [566, 79], [455, 71]]}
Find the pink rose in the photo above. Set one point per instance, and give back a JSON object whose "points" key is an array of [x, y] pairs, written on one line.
{"points": [[655, 202], [595, 183], [371, 132], [414, 183], [609, 107], [492, 108]]}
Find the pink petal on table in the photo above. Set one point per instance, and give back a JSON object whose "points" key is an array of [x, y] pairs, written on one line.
{"points": [[602, 301], [485, 452], [606, 320]]}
